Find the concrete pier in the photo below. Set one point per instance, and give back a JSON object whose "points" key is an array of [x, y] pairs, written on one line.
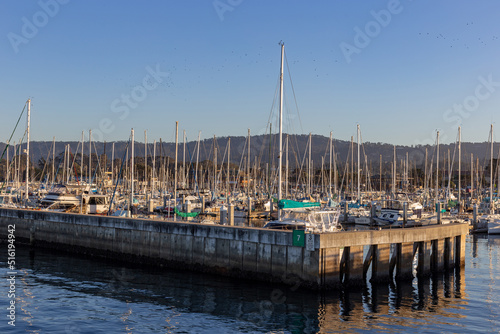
{"points": [[326, 260]]}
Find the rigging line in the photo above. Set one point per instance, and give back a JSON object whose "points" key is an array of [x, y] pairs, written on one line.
{"points": [[486, 155], [118, 178], [429, 177], [496, 166], [74, 157], [97, 168], [219, 175], [18, 148], [293, 91], [73, 165], [190, 166], [288, 116], [273, 104], [12, 134], [451, 166], [43, 170], [368, 174], [344, 175], [241, 161], [302, 163]]}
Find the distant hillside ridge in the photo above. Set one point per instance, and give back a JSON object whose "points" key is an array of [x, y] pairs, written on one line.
{"points": [[263, 148]]}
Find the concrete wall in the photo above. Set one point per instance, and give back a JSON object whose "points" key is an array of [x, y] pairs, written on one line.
{"points": [[268, 255], [245, 252]]}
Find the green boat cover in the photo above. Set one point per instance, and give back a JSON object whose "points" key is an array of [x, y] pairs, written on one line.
{"points": [[289, 204], [186, 214]]}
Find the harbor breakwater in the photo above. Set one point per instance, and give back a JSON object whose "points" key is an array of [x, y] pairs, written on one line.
{"points": [[315, 260]]}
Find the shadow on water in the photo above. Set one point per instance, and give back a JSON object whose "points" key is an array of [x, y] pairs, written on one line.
{"points": [[267, 307]]}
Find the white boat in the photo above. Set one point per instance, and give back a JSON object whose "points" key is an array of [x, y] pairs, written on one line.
{"points": [[96, 204], [308, 219], [362, 220], [395, 217], [492, 223], [59, 197], [193, 201]]}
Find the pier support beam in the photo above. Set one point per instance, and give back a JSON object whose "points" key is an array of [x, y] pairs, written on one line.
{"points": [[380, 263], [424, 259], [449, 256], [460, 250], [330, 266], [402, 261], [352, 265], [230, 214], [437, 257]]}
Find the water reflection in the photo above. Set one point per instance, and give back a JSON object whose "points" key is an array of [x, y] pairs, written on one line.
{"points": [[90, 285]]}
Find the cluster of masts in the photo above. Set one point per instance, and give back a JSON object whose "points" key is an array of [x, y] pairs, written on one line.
{"points": [[121, 180], [162, 177]]}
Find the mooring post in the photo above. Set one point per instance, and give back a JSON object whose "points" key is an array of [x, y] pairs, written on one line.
{"points": [[223, 213], [203, 204], [405, 214], [372, 213], [438, 209], [168, 209], [474, 217], [250, 205], [189, 207], [346, 209], [231, 214]]}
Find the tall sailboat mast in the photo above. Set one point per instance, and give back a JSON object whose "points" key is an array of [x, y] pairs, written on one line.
{"points": [[175, 165], [26, 195], [81, 161], [459, 168], [280, 128], [437, 166], [491, 169], [145, 161], [90, 158], [330, 170], [131, 172], [286, 168], [358, 169], [394, 174]]}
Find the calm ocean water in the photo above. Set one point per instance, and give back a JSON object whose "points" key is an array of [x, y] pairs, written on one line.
{"points": [[61, 293]]}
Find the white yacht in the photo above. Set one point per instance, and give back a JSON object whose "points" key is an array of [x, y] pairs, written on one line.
{"points": [[309, 219], [59, 197]]}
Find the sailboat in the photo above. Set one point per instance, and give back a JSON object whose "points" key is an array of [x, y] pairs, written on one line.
{"points": [[298, 215]]}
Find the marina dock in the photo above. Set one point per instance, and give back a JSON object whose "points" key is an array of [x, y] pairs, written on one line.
{"points": [[315, 260]]}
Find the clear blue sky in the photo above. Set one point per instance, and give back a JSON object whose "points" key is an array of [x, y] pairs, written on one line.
{"points": [[400, 69]]}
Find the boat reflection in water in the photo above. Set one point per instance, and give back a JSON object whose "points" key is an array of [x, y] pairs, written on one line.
{"points": [[98, 294]]}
